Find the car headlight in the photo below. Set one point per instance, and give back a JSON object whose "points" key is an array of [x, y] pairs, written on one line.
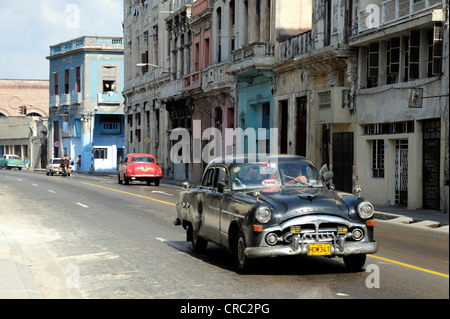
{"points": [[263, 214], [365, 210]]}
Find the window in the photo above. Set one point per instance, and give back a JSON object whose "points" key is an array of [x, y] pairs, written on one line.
{"points": [[266, 115], [100, 153], [435, 50], [78, 79], [55, 83], [144, 59], [66, 81], [208, 177], [372, 64], [393, 60], [109, 79], [378, 158], [414, 54], [221, 176]]}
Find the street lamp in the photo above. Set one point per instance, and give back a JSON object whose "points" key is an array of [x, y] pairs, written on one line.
{"points": [[149, 64]]}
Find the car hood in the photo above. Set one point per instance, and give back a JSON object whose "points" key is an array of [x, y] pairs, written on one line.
{"points": [[300, 201]]}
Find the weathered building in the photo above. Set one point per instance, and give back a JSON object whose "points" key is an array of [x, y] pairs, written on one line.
{"points": [[86, 104], [360, 86], [402, 97], [23, 119], [146, 70]]}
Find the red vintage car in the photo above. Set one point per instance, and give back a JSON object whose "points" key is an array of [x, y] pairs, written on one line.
{"points": [[140, 167]]}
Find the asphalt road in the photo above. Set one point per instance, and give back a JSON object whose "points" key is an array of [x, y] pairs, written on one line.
{"points": [[89, 237]]}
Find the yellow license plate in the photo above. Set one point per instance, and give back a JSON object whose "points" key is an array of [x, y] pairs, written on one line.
{"points": [[319, 249]]}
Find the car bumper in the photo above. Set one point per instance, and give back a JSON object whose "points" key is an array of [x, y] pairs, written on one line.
{"points": [[349, 248], [145, 176]]}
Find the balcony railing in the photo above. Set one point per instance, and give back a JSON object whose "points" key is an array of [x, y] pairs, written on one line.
{"points": [[295, 46], [256, 54], [375, 14]]}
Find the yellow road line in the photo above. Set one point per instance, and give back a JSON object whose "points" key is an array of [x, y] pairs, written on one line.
{"points": [[141, 196], [410, 266]]}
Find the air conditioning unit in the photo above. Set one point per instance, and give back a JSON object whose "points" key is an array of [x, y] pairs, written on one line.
{"points": [[415, 98]]}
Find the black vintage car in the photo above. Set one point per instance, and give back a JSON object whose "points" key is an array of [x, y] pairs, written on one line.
{"points": [[279, 206]]}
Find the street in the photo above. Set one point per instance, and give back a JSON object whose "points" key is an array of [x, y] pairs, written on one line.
{"points": [[87, 236]]}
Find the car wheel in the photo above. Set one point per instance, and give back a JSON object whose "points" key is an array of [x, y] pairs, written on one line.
{"points": [[198, 243], [127, 180], [242, 261], [118, 179], [157, 182], [355, 262]]}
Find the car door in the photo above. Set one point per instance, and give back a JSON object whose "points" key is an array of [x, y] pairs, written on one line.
{"points": [[213, 204]]}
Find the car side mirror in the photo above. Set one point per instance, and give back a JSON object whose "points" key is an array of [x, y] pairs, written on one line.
{"points": [[327, 176], [185, 185]]}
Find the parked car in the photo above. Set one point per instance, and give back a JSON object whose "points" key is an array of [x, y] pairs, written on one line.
{"points": [[54, 164], [9, 161], [140, 167], [282, 206]]}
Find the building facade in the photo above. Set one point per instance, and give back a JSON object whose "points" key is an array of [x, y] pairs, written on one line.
{"points": [[23, 119], [86, 104], [361, 86], [402, 101]]}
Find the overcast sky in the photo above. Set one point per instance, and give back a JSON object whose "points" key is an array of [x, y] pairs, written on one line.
{"points": [[29, 27]]}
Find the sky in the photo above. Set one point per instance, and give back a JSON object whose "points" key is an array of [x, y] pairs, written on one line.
{"points": [[29, 27]]}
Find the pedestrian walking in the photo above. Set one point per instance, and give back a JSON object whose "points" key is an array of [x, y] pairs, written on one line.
{"points": [[78, 161], [27, 163]]}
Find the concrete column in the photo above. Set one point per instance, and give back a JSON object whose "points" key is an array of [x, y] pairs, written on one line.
{"points": [[253, 21], [265, 21]]}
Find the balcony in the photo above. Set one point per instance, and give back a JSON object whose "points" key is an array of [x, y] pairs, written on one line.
{"points": [[217, 76], [333, 106], [375, 14], [253, 56], [109, 97], [295, 46], [192, 81]]}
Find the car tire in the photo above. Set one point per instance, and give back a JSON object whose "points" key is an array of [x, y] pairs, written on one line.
{"points": [[198, 243], [355, 262], [118, 179], [243, 263], [157, 182], [127, 180]]}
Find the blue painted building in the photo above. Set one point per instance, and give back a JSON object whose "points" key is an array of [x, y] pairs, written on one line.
{"points": [[256, 109], [86, 104]]}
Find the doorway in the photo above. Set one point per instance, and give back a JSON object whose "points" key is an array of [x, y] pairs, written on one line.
{"points": [[343, 161], [401, 172]]}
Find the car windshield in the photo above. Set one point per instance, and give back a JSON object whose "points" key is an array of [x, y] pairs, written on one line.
{"points": [[143, 159], [299, 174], [14, 157], [259, 175]]}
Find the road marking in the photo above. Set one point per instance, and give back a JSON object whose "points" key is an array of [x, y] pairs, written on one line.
{"points": [[410, 266], [82, 205], [35, 185], [161, 239], [19, 179], [53, 192], [164, 193], [141, 196]]}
